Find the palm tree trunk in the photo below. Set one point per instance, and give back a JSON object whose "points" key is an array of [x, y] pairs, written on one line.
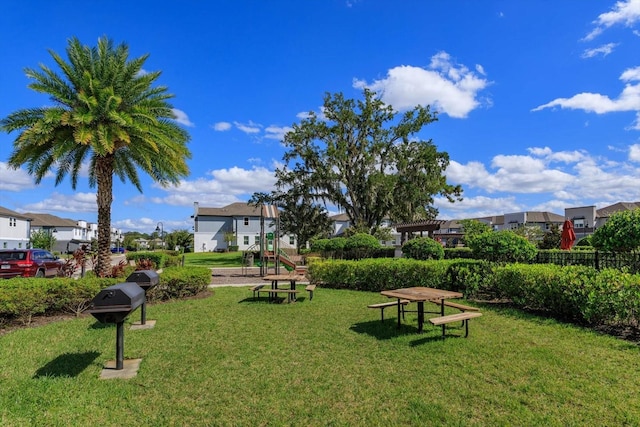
{"points": [[104, 175]]}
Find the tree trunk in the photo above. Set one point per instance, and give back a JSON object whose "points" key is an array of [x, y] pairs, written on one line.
{"points": [[104, 175]]}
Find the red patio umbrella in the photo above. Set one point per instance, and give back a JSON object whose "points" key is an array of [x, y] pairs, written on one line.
{"points": [[568, 235]]}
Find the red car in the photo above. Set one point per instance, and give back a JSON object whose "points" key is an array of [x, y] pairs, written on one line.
{"points": [[28, 263]]}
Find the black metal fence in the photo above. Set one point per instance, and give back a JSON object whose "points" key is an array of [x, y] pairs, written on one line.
{"points": [[629, 261]]}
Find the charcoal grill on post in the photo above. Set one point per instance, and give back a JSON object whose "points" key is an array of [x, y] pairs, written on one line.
{"points": [[146, 279], [113, 305]]}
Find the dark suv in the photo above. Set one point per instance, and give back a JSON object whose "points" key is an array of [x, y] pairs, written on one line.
{"points": [[28, 263]]}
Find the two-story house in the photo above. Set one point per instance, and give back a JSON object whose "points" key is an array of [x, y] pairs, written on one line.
{"points": [[69, 234], [15, 229], [240, 221]]}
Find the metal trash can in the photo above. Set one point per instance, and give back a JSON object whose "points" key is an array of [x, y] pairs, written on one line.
{"points": [[146, 279], [249, 259], [113, 305]]}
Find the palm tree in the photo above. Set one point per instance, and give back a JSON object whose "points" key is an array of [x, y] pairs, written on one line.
{"points": [[105, 111]]}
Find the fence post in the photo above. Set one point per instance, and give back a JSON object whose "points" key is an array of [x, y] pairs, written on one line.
{"points": [[597, 260]]}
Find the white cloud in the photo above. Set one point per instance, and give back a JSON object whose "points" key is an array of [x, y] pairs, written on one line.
{"points": [[14, 179], [250, 128], [475, 207], [628, 100], [603, 50], [276, 132], [222, 126], [625, 12], [449, 87], [224, 186], [634, 153], [182, 118], [66, 203], [568, 177]]}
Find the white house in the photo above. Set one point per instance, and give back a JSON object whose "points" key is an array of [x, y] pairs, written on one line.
{"points": [[15, 229], [240, 219]]}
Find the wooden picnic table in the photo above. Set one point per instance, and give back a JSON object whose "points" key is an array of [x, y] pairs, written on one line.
{"points": [[291, 278], [420, 295]]}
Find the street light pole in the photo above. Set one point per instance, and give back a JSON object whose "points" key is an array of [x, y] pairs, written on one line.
{"points": [[160, 229]]}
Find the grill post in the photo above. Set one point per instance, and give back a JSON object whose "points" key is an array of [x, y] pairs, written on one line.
{"points": [[120, 345], [143, 313]]}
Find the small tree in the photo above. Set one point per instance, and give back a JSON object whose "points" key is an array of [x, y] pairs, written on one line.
{"points": [[43, 239], [503, 246], [472, 228], [621, 233], [532, 233], [551, 240], [423, 248]]}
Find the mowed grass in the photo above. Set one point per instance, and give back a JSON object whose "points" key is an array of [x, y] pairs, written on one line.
{"points": [[230, 360], [213, 259]]}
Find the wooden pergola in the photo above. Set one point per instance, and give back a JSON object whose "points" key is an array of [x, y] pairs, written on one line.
{"points": [[427, 225]]}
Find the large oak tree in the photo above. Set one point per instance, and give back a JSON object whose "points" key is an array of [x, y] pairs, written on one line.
{"points": [[365, 158], [105, 112]]}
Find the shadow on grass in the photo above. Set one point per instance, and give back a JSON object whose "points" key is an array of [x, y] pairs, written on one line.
{"points": [[67, 365], [383, 330]]}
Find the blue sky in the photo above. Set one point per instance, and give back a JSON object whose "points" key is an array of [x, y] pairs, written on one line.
{"points": [[539, 102]]}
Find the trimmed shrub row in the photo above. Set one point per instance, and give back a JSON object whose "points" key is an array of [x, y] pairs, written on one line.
{"points": [[23, 298], [576, 293]]}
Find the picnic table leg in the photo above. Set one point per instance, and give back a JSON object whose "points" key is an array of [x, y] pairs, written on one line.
{"points": [[398, 313], [442, 314], [293, 288], [420, 315]]}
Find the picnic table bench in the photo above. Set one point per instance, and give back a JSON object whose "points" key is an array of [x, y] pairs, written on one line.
{"points": [[384, 305], [464, 317], [273, 292]]}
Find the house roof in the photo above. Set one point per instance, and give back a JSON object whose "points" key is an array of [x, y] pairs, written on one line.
{"points": [[9, 213], [47, 220], [340, 217], [234, 209], [607, 211], [544, 217]]}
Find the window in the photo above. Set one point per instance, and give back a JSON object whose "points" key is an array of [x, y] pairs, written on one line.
{"points": [[4, 245], [578, 223], [256, 240], [246, 240], [292, 240], [13, 222], [246, 220]]}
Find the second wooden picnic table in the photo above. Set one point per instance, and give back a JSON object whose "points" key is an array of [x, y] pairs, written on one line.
{"points": [[420, 295]]}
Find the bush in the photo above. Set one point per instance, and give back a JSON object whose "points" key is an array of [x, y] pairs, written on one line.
{"points": [[621, 232], [156, 258], [423, 248], [458, 253], [180, 282], [502, 246], [361, 245]]}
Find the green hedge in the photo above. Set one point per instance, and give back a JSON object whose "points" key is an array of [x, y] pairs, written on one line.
{"points": [[379, 274], [576, 293], [23, 298]]}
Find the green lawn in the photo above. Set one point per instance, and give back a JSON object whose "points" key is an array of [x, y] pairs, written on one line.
{"points": [[213, 259], [229, 360]]}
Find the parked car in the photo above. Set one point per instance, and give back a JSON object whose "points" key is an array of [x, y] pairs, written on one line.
{"points": [[117, 250], [28, 263]]}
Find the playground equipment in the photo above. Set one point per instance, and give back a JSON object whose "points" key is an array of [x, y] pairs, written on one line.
{"points": [[269, 247]]}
